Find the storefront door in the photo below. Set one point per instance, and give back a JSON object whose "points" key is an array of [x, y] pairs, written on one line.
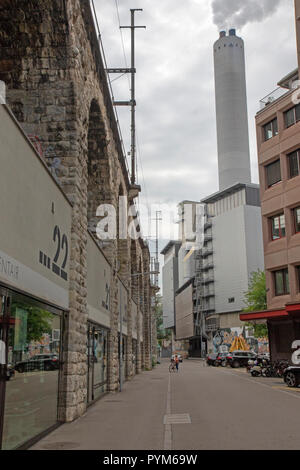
{"points": [[4, 307], [97, 361], [31, 338]]}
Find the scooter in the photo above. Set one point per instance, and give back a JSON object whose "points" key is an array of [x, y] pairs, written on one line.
{"points": [[261, 369]]}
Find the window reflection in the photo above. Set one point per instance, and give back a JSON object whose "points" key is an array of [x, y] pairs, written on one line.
{"points": [[33, 356]]}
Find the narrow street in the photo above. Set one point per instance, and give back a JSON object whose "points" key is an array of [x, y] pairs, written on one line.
{"points": [[198, 408]]}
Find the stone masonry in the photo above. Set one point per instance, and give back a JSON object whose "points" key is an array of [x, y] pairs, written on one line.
{"points": [[57, 88]]}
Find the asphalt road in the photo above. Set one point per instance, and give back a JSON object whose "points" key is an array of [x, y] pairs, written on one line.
{"points": [[197, 408]]}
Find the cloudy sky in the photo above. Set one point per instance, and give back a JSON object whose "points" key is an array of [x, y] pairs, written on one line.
{"points": [[177, 149]]}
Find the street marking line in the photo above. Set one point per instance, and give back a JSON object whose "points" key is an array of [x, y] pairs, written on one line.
{"points": [[178, 419], [287, 389], [168, 428]]}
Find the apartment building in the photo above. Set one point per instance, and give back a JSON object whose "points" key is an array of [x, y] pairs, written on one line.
{"points": [[278, 142]]}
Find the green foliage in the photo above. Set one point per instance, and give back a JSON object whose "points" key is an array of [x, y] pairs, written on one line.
{"points": [[256, 300], [260, 330], [162, 333], [38, 321], [256, 296]]}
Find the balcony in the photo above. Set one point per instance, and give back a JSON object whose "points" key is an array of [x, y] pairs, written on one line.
{"points": [[207, 266], [208, 280], [271, 97], [207, 238], [208, 224], [206, 252], [212, 324], [208, 294]]}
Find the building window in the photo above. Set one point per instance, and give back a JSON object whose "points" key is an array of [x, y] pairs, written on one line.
{"points": [[296, 212], [292, 116], [231, 300], [270, 129], [273, 173], [293, 162], [298, 277], [281, 279], [277, 226]]}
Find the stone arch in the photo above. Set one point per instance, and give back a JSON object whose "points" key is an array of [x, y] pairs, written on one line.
{"points": [[134, 272], [123, 246], [98, 168]]}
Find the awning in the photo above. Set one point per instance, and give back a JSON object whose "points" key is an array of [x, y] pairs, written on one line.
{"points": [[265, 315]]}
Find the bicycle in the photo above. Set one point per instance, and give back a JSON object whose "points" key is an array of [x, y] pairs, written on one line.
{"points": [[172, 367]]}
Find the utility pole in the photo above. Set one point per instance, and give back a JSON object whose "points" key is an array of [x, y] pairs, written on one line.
{"points": [[132, 102]]}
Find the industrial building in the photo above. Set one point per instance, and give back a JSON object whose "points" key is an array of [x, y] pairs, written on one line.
{"points": [[216, 275]]}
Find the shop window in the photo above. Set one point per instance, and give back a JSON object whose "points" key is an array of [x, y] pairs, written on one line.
{"points": [[281, 280], [273, 173], [294, 163], [296, 213], [292, 116], [270, 129], [34, 354], [277, 226]]}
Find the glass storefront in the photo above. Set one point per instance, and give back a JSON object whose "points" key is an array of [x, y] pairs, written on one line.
{"points": [[31, 336], [97, 361]]}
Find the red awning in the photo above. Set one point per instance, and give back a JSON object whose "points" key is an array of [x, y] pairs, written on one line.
{"points": [[265, 315]]}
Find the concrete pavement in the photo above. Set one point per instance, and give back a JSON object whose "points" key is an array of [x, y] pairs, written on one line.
{"points": [[198, 408]]}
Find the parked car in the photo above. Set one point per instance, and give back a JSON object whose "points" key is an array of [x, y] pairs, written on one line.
{"points": [[211, 359], [221, 359], [38, 362], [291, 376], [240, 358]]}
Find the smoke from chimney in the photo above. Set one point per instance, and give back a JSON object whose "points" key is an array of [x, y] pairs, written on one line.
{"points": [[238, 13]]}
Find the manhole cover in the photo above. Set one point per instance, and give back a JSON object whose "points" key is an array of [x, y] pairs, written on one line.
{"points": [[60, 445]]}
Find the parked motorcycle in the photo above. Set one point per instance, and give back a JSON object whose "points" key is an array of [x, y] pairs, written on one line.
{"points": [[260, 368]]}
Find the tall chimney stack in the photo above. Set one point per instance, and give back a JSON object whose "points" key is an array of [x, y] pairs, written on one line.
{"points": [[231, 110]]}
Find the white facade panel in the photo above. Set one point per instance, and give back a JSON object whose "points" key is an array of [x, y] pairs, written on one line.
{"points": [[230, 260]]}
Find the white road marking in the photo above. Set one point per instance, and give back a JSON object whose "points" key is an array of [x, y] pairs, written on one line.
{"points": [[177, 419], [168, 428]]}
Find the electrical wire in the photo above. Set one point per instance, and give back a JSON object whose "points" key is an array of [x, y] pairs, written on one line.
{"points": [[122, 40]]}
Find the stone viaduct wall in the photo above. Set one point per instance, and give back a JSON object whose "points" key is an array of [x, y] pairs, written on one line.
{"points": [[57, 88]]}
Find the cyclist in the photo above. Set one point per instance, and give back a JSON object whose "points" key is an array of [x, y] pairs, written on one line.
{"points": [[172, 365], [176, 362]]}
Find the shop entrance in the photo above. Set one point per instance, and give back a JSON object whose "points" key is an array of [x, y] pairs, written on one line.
{"points": [[30, 351], [97, 361]]}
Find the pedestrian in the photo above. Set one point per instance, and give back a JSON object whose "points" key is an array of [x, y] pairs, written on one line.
{"points": [[177, 362]]}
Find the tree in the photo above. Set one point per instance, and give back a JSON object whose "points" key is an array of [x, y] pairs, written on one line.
{"points": [[256, 300], [38, 321], [162, 333]]}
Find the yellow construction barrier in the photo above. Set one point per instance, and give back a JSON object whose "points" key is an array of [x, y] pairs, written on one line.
{"points": [[239, 344]]}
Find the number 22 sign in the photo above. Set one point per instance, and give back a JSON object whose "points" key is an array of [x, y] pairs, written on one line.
{"points": [[62, 254]]}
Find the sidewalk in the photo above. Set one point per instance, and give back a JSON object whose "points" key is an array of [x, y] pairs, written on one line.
{"points": [[132, 419]]}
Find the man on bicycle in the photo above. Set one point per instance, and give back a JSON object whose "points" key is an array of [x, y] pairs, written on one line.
{"points": [[176, 360]]}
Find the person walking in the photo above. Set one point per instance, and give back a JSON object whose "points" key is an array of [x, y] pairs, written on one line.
{"points": [[177, 362]]}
